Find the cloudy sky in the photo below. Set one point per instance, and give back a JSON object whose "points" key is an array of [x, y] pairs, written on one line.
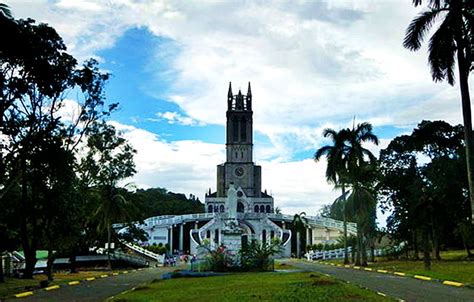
{"points": [[312, 65]]}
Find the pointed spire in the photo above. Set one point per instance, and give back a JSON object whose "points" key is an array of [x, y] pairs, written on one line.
{"points": [[249, 91], [229, 94], [240, 92]]}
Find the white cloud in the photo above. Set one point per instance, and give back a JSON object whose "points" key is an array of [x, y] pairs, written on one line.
{"points": [[176, 118]]}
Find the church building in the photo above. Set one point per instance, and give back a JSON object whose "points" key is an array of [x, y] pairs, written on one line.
{"points": [[238, 211]]}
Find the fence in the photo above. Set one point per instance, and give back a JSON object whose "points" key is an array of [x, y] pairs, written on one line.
{"points": [[337, 254]]}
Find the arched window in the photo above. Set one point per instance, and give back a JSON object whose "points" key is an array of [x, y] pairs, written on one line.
{"points": [[267, 208], [256, 209], [240, 207], [272, 234], [216, 208], [262, 209], [209, 208], [221, 208]]}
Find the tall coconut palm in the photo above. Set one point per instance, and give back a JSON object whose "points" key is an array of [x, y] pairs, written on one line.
{"points": [[451, 42], [361, 163], [336, 171]]}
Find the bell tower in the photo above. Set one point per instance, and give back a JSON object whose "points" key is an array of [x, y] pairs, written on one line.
{"points": [[239, 168], [239, 137]]}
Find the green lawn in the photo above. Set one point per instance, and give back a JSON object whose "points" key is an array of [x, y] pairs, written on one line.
{"points": [[251, 287], [453, 267]]}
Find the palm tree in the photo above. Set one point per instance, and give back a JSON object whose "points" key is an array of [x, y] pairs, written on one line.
{"points": [[113, 207], [361, 175], [452, 41], [5, 11], [300, 222], [336, 171]]}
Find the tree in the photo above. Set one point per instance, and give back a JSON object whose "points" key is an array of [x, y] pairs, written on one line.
{"points": [[5, 11], [336, 170], [109, 160], [453, 41], [300, 223]]}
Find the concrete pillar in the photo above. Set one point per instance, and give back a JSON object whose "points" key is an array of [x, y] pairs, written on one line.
{"points": [[181, 236], [283, 225], [308, 238], [171, 238], [196, 225]]}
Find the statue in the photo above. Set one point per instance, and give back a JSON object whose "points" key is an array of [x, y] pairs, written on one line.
{"points": [[232, 202]]}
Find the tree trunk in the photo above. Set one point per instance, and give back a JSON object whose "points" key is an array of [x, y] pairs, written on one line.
{"points": [[363, 251], [415, 245], [426, 250], [372, 252], [72, 260], [358, 253], [344, 215], [463, 69], [50, 262], [2, 275], [109, 236]]}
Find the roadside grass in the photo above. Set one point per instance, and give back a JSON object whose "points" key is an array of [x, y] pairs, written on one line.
{"points": [[284, 266], [250, 287], [452, 267], [13, 285]]}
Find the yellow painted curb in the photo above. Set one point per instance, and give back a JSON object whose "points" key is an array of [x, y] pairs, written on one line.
{"points": [[381, 294], [74, 283], [382, 271], [24, 294], [356, 267], [339, 265], [115, 274], [399, 274], [368, 269], [90, 279], [51, 287], [347, 265], [104, 276], [422, 277], [452, 283]]}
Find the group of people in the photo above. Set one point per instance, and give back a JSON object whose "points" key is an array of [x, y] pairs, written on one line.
{"points": [[171, 260]]}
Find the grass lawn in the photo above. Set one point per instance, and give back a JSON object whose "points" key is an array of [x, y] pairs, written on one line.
{"points": [[251, 287], [13, 286], [453, 267], [284, 266]]}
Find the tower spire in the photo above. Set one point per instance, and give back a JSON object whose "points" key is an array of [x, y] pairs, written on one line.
{"points": [[249, 98], [229, 97]]}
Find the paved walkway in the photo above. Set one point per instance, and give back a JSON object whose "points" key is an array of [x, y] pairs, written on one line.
{"points": [[404, 288], [99, 289]]}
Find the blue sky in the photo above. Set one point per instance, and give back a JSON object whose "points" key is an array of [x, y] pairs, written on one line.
{"points": [[312, 65]]}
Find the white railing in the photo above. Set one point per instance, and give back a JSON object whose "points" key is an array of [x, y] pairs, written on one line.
{"points": [[144, 252], [312, 220], [337, 254]]}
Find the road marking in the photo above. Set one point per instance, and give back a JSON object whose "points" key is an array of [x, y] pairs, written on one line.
{"points": [[125, 272], [115, 274], [399, 274], [73, 283], [24, 294], [90, 279], [422, 277], [51, 287], [104, 276], [356, 267], [382, 271], [367, 269], [339, 265], [452, 283], [381, 294], [347, 265]]}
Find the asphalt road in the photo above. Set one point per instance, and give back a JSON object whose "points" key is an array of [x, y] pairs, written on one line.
{"points": [[404, 288], [97, 290]]}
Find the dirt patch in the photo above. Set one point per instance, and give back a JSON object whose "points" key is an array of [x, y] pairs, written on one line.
{"points": [[323, 282]]}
